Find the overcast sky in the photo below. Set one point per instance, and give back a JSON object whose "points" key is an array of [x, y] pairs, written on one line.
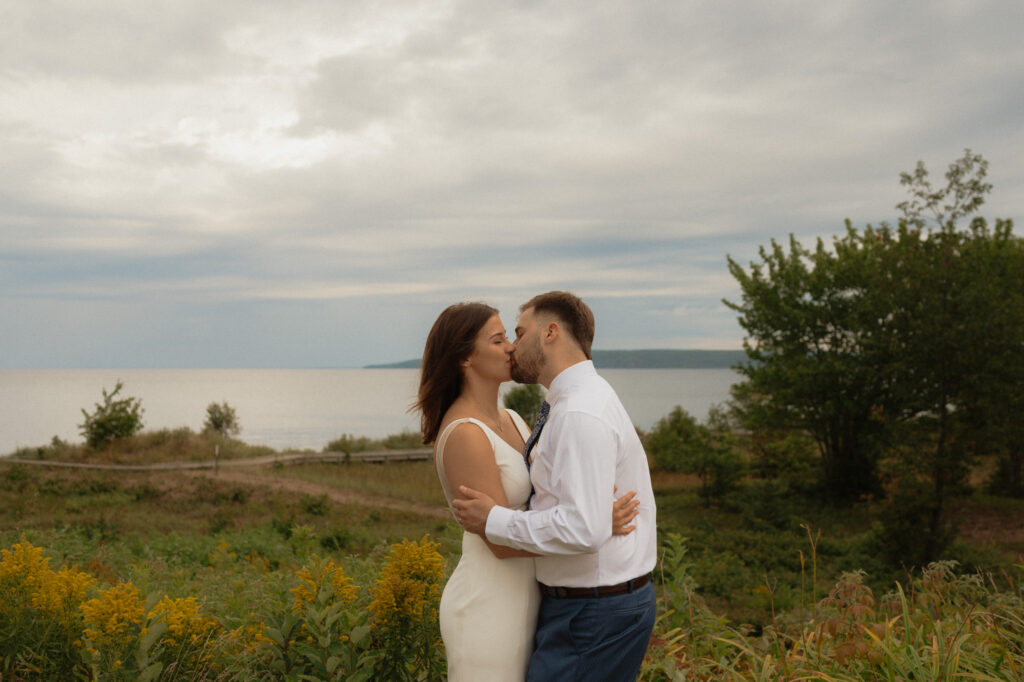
{"points": [[308, 184]]}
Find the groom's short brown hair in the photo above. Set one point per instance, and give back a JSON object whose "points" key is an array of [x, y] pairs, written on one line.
{"points": [[571, 311]]}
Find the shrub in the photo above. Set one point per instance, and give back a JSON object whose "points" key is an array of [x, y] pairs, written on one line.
{"points": [[349, 444], [112, 420], [406, 440], [402, 441], [221, 417], [321, 636], [315, 506], [404, 611], [525, 400], [39, 615], [678, 443]]}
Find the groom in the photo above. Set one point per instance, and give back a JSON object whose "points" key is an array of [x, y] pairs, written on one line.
{"points": [[598, 605]]}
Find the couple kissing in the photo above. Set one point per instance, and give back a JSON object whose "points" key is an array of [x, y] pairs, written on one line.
{"points": [[554, 582]]}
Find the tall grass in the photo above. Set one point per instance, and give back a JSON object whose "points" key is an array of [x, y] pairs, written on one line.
{"points": [[201, 550], [413, 482], [376, 618], [941, 625], [149, 447], [313, 622]]}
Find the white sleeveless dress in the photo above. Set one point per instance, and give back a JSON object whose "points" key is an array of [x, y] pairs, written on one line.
{"points": [[489, 606]]}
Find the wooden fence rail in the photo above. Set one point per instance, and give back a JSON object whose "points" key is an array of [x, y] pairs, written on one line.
{"points": [[283, 458]]}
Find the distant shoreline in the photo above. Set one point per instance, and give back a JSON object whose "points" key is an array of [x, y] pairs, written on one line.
{"points": [[637, 359]]}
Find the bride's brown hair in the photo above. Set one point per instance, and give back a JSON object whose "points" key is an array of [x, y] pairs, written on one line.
{"points": [[449, 342]]}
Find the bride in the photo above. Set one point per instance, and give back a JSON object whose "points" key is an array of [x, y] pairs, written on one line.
{"points": [[489, 606]]}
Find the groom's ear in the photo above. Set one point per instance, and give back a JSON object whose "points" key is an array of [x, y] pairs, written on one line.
{"points": [[552, 331]]}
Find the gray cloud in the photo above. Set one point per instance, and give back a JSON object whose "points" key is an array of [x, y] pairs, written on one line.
{"points": [[308, 184]]}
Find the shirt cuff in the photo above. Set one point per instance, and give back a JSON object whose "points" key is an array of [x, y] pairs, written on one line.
{"points": [[498, 522]]}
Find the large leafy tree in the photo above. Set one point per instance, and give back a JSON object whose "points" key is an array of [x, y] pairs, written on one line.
{"points": [[992, 414], [813, 362], [905, 341], [955, 327]]}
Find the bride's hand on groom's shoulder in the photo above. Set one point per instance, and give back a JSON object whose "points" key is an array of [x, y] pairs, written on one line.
{"points": [[472, 509]]}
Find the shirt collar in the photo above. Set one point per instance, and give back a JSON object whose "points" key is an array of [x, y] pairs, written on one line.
{"points": [[568, 377]]}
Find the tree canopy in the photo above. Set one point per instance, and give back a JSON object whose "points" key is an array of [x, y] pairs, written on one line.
{"points": [[900, 344]]}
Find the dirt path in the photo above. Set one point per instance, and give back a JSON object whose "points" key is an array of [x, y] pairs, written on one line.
{"points": [[246, 472], [254, 479]]}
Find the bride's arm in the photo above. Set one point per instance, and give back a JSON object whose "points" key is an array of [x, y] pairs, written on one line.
{"points": [[469, 461]]}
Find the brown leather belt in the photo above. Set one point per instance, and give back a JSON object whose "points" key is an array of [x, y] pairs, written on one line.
{"points": [[603, 591]]}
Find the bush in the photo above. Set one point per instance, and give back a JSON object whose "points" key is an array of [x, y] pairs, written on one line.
{"points": [[406, 440], [349, 444], [525, 400], [222, 419], [678, 443], [112, 420]]}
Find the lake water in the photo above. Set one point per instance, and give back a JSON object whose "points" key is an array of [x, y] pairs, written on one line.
{"points": [[293, 408]]}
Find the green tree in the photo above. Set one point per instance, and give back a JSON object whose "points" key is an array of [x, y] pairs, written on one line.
{"points": [[902, 343], [812, 365], [679, 443], [112, 419], [955, 328], [526, 400], [995, 403], [979, 284], [221, 417], [775, 452]]}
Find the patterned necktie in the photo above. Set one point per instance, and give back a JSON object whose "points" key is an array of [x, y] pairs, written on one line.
{"points": [[542, 417]]}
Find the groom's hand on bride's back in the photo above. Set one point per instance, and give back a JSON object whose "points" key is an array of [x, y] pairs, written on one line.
{"points": [[471, 509]]}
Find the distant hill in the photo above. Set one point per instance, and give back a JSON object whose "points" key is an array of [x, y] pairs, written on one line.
{"points": [[638, 359], [405, 364]]}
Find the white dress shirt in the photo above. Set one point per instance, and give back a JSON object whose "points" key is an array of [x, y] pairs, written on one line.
{"points": [[587, 447]]}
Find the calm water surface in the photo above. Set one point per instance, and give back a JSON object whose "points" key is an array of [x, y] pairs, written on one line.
{"points": [[292, 408]]}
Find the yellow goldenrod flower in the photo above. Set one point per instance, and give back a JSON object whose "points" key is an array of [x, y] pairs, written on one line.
{"points": [[183, 620], [410, 581], [113, 613], [317, 575]]}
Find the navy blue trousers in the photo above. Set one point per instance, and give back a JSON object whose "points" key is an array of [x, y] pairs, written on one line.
{"points": [[593, 639]]}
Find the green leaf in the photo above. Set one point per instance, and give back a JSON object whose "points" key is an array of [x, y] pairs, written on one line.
{"points": [[359, 633], [275, 634], [151, 672], [156, 631]]}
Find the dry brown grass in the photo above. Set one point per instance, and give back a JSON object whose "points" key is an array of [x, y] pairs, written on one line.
{"points": [[149, 447], [412, 482]]}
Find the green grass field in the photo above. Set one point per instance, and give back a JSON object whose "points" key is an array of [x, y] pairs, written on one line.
{"points": [[745, 585]]}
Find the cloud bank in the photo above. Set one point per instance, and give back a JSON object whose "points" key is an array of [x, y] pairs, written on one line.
{"points": [[308, 184]]}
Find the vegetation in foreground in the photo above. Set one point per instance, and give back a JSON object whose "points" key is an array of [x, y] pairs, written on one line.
{"points": [[205, 573]]}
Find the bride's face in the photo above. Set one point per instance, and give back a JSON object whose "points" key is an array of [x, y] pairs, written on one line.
{"points": [[492, 352]]}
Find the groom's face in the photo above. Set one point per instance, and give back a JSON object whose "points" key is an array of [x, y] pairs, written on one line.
{"points": [[527, 358]]}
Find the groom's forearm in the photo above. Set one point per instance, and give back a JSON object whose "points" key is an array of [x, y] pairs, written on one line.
{"points": [[551, 532]]}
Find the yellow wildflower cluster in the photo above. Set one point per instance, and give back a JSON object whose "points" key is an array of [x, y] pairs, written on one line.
{"points": [[410, 582], [184, 624], [21, 562], [317, 575], [26, 577], [60, 593], [222, 554], [112, 615], [66, 624], [250, 636]]}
